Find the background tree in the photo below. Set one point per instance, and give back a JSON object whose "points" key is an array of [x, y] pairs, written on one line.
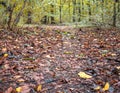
{"points": [[84, 12]]}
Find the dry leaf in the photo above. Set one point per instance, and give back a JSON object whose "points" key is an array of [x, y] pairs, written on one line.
{"points": [[6, 66], [5, 55], [4, 50], [17, 76], [23, 89], [39, 88], [113, 54], [84, 75], [48, 56], [19, 89], [9, 90], [67, 52], [118, 67], [106, 87], [97, 88], [20, 80]]}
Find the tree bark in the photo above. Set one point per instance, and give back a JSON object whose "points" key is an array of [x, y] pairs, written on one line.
{"points": [[79, 12], [83, 6], [69, 11], [17, 19], [118, 6], [89, 10], [11, 9], [102, 14], [114, 14], [29, 19], [74, 10], [52, 12], [60, 10]]}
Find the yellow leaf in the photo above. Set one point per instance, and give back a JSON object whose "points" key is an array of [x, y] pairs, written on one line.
{"points": [[39, 88], [97, 88], [5, 55], [84, 75], [19, 89], [106, 87]]}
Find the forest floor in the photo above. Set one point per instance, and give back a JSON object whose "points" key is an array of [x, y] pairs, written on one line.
{"points": [[58, 59]]}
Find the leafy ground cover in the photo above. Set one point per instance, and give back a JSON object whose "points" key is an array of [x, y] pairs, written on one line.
{"points": [[57, 59]]}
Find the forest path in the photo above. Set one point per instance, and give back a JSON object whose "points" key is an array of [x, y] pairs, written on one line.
{"points": [[53, 57]]}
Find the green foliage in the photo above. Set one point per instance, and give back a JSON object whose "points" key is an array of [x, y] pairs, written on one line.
{"points": [[65, 11]]}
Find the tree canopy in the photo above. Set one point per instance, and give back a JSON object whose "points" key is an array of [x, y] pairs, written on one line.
{"points": [[95, 12]]}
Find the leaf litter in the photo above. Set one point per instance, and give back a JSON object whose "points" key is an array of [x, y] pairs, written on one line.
{"points": [[60, 60]]}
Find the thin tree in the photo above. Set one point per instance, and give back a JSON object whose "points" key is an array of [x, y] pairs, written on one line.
{"points": [[118, 6], [74, 10], [17, 19], [102, 7], [89, 10], [52, 14], [60, 10], [79, 11], [114, 13]]}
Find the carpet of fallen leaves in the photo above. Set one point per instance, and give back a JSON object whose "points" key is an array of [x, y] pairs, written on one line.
{"points": [[52, 59]]}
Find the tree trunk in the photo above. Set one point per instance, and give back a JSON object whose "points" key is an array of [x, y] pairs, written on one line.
{"points": [[11, 9], [89, 10], [118, 6], [29, 19], [69, 12], [83, 6], [17, 19], [74, 10], [102, 14], [52, 12], [114, 14], [79, 12], [60, 10]]}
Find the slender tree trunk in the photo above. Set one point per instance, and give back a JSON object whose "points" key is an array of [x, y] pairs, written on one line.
{"points": [[52, 12], [79, 12], [114, 14], [102, 14], [60, 10], [45, 20], [29, 19], [118, 6], [89, 10], [11, 9], [83, 7], [74, 10], [69, 12], [17, 19]]}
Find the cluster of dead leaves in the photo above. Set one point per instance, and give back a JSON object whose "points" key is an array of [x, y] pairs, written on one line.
{"points": [[23, 89], [95, 55]]}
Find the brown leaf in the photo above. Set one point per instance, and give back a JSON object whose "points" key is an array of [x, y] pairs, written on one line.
{"points": [[20, 80], [17, 76], [9, 90], [23, 89], [4, 50]]}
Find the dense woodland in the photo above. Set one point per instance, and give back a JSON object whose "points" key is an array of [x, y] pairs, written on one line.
{"points": [[81, 12], [59, 46]]}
